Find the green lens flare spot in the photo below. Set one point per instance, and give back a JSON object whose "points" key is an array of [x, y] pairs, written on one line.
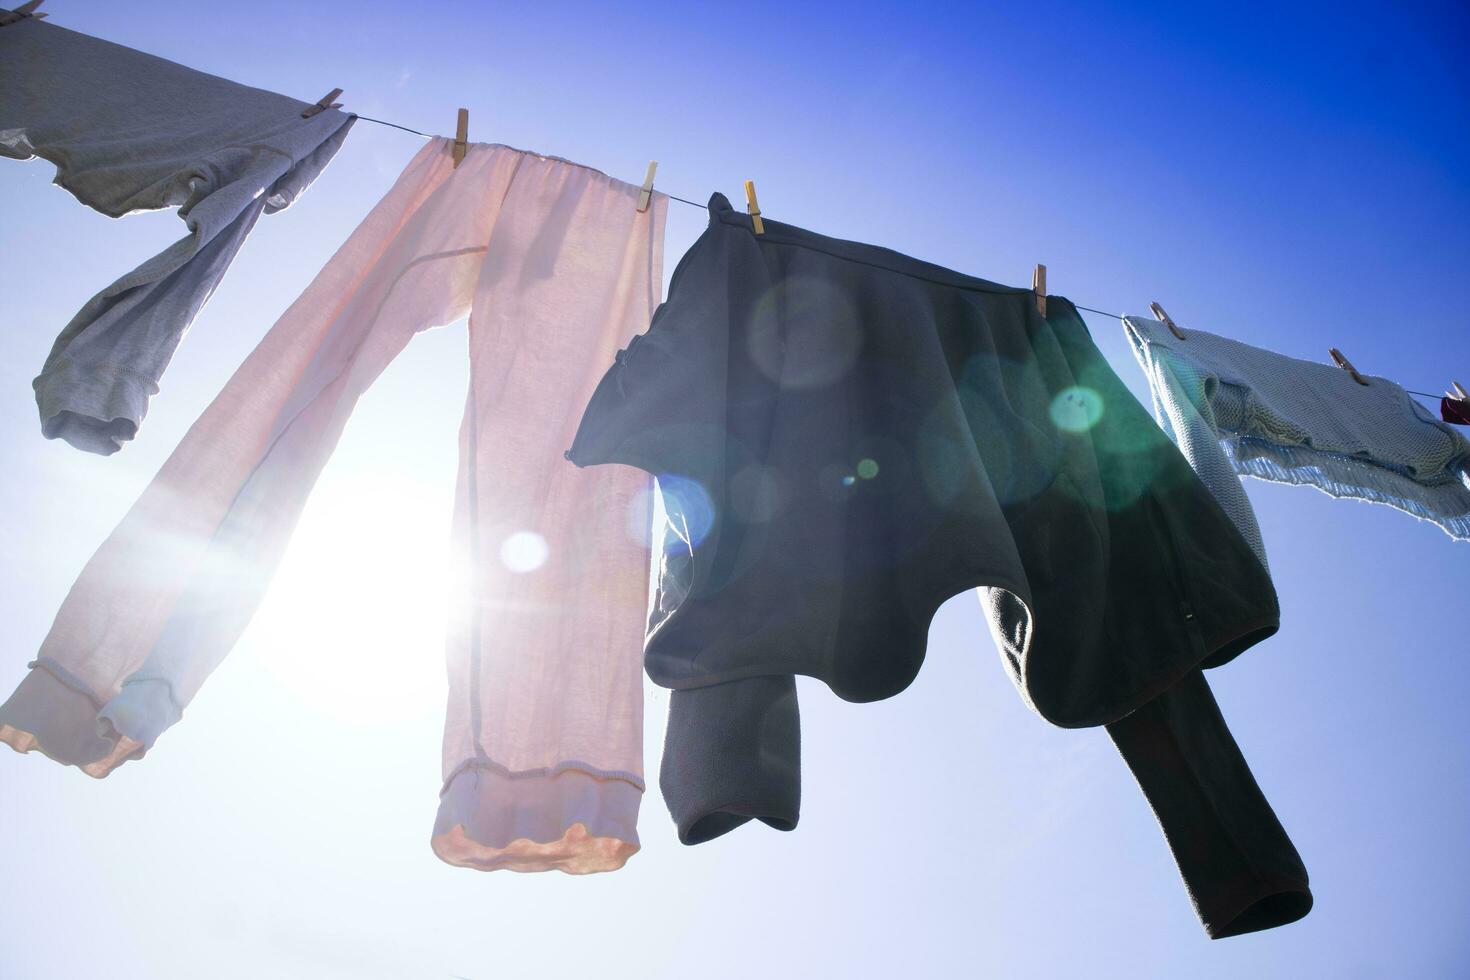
{"points": [[1076, 409], [867, 468]]}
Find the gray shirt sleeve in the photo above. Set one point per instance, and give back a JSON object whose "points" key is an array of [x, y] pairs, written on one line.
{"points": [[130, 132]]}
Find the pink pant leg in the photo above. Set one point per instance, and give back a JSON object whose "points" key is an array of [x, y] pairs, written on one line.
{"points": [[543, 742], [169, 592]]}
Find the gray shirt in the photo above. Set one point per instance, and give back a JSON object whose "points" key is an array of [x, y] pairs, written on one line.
{"points": [[131, 132]]}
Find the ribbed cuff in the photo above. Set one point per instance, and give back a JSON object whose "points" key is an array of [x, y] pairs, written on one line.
{"points": [[733, 754], [141, 711], [570, 818], [94, 410], [58, 717]]}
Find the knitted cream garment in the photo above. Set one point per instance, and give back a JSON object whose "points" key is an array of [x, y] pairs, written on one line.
{"points": [[1233, 408]]}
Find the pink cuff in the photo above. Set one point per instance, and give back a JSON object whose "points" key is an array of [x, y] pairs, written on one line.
{"points": [[571, 818], [60, 719]]}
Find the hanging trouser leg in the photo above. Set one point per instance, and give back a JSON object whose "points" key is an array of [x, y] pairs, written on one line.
{"points": [[544, 746], [543, 742], [1240, 868], [166, 596]]}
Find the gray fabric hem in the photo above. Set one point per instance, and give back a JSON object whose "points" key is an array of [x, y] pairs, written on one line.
{"points": [[280, 192]]}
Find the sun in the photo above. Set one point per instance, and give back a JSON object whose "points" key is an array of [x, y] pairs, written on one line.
{"points": [[354, 622]]}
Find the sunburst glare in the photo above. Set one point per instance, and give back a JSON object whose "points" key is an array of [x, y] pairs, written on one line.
{"points": [[354, 622]]}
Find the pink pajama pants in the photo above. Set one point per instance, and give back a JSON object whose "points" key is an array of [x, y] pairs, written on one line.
{"points": [[543, 742]]}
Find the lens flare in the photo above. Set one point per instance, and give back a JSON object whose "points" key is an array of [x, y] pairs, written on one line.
{"points": [[691, 512], [354, 623], [1076, 409], [523, 551], [758, 494], [805, 333]]}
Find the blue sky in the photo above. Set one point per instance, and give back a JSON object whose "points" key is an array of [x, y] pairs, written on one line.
{"points": [[1294, 181]]}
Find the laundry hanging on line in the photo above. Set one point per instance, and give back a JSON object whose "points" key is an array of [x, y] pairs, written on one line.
{"points": [[1237, 410], [1074, 516], [118, 668], [543, 746], [131, 132]]}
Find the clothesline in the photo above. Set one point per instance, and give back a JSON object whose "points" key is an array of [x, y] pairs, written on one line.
{"points": [[672, 197], [696, 204], [407, 129]]}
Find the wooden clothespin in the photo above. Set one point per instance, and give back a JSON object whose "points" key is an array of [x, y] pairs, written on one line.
{"points": [[1346, 365], [645, 196], [1162, 317], [27, 9], [461, 136], [1038, 286], [327, 101], [754, 208]]}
